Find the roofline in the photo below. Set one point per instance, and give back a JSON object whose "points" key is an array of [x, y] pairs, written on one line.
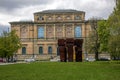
{"points": [[54, 11], [23, 22], [84, 21]]}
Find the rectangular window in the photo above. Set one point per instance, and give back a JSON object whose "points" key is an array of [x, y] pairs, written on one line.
{"points": [[78, 32], [49, 50], [40, 32], [40, 50], [23, 50]]}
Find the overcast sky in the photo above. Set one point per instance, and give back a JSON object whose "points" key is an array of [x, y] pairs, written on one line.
{"points": [[17, 10]]}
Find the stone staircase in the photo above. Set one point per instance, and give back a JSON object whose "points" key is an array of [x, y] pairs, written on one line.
{"points": [[55, 59], [37, 57]]}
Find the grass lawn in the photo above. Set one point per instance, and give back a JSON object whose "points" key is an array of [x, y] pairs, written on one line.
{"points": [[61, 71]]}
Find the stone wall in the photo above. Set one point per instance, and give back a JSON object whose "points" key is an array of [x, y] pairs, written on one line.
{"points": [[58, 17]]}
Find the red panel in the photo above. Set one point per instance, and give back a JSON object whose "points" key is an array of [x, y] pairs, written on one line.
{"points": [[70, 53], [78, 42], [61, 42], [69, 41], [69, 45], [62, 51], [78, 52]]}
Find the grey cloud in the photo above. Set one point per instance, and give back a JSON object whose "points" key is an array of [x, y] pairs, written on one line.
{"points": [[25, 8], [96, 8], [4, 28], [13, 4]]}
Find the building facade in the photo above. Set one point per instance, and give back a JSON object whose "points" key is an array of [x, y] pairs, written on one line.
{"points": [[39, 37]]}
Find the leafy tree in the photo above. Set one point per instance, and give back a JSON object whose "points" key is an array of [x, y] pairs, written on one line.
{"points": [[98, 38], [103, 33], [114, 27], [92, 42], [9, 44]]}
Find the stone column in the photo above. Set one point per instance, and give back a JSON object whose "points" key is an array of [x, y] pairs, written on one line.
{"points": [[35, 40], [64, 31], [35, 31], [19, 31], [45, 49], [54, 17], [54, 32], [45, 32], [73, 31], [73, 16]]}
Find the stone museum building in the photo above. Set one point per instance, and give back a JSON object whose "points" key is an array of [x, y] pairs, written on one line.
{"points": [[39, 38]]}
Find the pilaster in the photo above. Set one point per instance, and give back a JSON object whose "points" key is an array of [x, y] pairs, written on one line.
{"points": [[73, 30], [54, 32], [45, 31], [63, 30]]}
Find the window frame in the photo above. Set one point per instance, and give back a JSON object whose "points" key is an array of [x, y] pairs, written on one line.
{"points": [[40, 50], [41, 32], [23, 50], [41, 18], [78, 34], [49, 49], [77, 17]]}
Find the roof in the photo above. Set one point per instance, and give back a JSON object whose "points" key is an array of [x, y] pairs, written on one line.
{"points": [[84, 21], [23, 22], [60, 11]]}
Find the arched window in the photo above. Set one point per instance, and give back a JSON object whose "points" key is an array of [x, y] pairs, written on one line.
{"points": [[40, 50], [24, 32], [23, 50], [77, 17], [41, 18], [78, 32], [49, 50], [40, 32], [58, 53]]}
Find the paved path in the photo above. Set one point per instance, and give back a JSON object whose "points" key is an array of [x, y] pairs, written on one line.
{"points": [[11, 63], [6, 63]]}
